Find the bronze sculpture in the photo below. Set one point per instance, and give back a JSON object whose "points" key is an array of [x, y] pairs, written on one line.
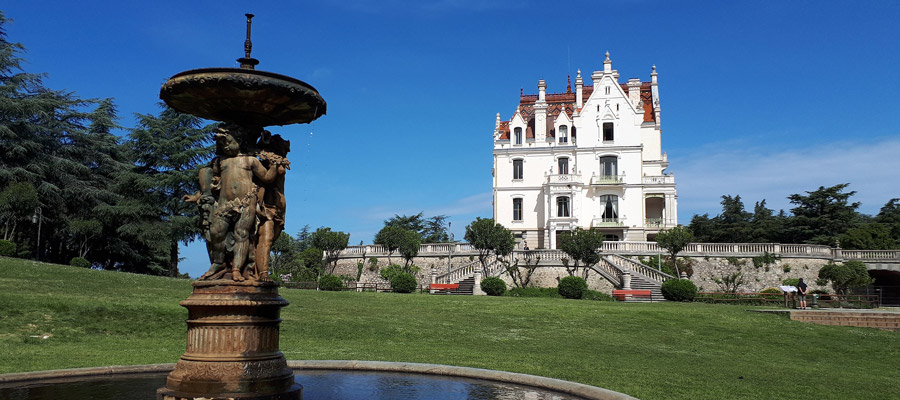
{"points": [[233, 323]]}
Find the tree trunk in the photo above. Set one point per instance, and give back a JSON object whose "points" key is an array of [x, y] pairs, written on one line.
{"points": [[173, 260]]}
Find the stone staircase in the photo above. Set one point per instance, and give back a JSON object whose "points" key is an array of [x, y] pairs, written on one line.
{"points": [[466, 287], [642, 276]]}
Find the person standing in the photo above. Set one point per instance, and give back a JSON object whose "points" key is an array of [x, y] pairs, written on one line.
{"points": [[801, 293]]}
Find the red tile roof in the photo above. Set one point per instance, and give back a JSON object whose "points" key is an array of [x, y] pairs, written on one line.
{"points": [[556, 102]]}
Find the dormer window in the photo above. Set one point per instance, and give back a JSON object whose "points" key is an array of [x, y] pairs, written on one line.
{"points": [[563, 134], [608, 132], [518, 136]]}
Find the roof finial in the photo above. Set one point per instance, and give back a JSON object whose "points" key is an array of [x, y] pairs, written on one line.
{"points": [[247, 62], [569, 84], [521, 92], [607, 56], [653, 68]]}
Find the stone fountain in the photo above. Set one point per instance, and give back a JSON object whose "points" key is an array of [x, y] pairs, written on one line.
{"points": [[233, 324]]}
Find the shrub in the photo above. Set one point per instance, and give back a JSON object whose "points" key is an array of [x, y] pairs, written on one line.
{"points": [[771, 290], [79, 262], [493, 286], [679, 290], [595, 295], [331, 283], [786, 268], [388, 272], [791, 282], [373, 264], [403, 283], [533, 292], [7, 248], [572, 287]]}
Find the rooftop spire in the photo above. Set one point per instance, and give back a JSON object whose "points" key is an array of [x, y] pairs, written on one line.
{"points": [[569, 84], [607, 64]]}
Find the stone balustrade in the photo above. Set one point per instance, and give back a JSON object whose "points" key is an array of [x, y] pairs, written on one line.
{"points": [[564, 178], [658, 180], [652, 248]]}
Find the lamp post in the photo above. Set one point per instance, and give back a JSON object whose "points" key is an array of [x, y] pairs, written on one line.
{"points": [[38, 218]]}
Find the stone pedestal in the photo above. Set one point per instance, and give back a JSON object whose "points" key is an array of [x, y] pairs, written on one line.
{"points": [[232, 345]]}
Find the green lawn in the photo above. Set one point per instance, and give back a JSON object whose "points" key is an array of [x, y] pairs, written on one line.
{"points": [[651, 351]]}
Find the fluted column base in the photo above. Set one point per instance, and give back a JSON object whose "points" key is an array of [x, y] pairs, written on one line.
{"points": [[232, 345]]}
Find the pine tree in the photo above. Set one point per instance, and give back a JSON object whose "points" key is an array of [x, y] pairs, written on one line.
{"points": [[168, 150]]}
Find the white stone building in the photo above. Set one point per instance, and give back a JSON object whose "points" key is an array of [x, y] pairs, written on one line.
{"points": [[588, 158]]}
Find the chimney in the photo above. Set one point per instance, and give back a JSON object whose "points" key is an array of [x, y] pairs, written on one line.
{"points": [[634, 92], [579, 93], [542, 90], [540, 113]]}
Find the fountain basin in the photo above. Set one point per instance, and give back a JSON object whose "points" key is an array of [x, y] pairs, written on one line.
{"points": [[321, 380], [245, 96]]}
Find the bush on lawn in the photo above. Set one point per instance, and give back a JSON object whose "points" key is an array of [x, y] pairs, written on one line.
{"points": [[679, 290], [771, 290], [493, 286], [7, 248], [403, 283], [572, 287], [331, 283], [79, 262]]}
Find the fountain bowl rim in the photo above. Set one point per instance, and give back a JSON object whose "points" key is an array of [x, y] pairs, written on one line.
{"points": [[540, 382]]}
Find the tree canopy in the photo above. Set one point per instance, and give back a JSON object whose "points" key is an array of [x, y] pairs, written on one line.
{"points": [[674, 241], [430, 230], [489, 237], [89, 183], [582, 246], [822, 216]]}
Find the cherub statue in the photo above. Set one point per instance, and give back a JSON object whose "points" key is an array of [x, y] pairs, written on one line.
{"points": [[271, 201], [233, 176]]}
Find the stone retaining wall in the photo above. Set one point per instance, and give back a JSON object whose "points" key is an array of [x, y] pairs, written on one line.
{"points": [[706, 270]]}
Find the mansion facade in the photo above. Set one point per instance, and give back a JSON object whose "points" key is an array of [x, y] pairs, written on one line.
{"points": [[588, 158]]}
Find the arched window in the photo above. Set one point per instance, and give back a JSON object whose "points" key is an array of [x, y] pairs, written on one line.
{"points": [[563, 164], [518, 136], [563, 134], [562, 206]]}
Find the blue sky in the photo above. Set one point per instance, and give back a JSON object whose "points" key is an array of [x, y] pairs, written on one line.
{"points": [[759, 98]]}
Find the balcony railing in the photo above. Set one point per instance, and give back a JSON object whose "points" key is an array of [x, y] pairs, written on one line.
{"points": [[607, 179], [606, 222], [659, 180], [564, 179], [654, 222]]}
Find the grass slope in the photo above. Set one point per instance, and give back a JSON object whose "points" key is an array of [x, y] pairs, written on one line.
{"points": [[651, 351]]}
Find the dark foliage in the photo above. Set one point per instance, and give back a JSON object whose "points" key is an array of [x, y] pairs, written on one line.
{"points": [[679, 290], [493, 286], [572, 287]]}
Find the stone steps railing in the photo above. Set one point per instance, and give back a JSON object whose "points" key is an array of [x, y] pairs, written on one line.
{"points": [[652, 248], [459, 273], [608, 270], [634, 266]]}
